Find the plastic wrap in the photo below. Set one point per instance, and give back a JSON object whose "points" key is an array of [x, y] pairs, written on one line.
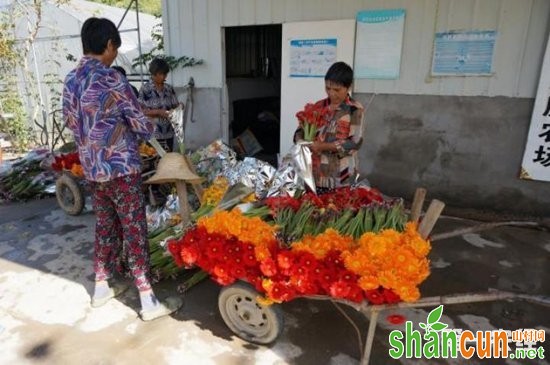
{"points": [[286, 180], [300, 155], [212, 160], [165, 216], [253, 173]]}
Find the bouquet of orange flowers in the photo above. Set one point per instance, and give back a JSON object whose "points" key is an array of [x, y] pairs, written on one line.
{"points": [[312, 118]]}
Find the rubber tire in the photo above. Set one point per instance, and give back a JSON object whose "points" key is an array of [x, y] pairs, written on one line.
{"points": [[66, 184], [237, 301]]}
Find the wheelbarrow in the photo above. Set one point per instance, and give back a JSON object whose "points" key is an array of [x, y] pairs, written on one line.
{"points": [[257, 323], [71, 190]]}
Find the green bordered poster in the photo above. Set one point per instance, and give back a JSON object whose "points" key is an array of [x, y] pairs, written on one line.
{"points": [[378, 43]]}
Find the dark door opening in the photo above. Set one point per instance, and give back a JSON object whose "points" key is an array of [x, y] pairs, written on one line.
{"points": [[253, 77]]}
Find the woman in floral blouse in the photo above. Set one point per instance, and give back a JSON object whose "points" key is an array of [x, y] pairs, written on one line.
{"points": [[334, 149], [106, 119], [157, 99]]}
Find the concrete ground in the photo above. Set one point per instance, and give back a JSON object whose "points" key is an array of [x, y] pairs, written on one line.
{"points": [[46, 279]]}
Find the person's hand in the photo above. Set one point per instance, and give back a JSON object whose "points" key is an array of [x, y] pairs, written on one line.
{"points": [[163, 113], [315, 147]]}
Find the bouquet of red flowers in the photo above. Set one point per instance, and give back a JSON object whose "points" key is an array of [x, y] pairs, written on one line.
{"points": [[312, 118], [65, 161]]}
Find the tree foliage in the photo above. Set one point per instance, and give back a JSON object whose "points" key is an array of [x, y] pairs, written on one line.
{"points": [[13, 120], [152, 7], [158, 52], [14, 69]]}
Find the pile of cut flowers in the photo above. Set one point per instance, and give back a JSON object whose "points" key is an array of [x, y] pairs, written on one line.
{"points": [[69, 162], [349, 244], [27, 177]]}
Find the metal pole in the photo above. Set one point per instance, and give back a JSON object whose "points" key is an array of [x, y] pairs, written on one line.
{"points": [[40, 96], [139, 41], [374, 310], [68, 36], [138, 33], [124, 15]]}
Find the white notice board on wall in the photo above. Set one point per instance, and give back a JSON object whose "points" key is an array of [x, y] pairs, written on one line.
{"points": [[312, 57], [329, 41], [536, 158], [379, 43]]}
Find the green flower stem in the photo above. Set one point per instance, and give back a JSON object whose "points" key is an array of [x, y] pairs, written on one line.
{"points": [[368, 220], [310, 130], [195, 279]]}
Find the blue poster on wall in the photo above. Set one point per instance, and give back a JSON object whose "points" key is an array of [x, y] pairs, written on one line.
{"points": [[463, 53], [311, 57], [378, 43]]}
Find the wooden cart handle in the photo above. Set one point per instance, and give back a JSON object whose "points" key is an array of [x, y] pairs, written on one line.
{"points": [[197, 186], [418, 202], [430, 218]]}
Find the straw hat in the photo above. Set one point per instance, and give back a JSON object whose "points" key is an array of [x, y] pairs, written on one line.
{"points": [[173, 166]]}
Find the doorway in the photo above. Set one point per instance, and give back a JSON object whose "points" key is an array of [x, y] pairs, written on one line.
{"points": [[253, 79]]}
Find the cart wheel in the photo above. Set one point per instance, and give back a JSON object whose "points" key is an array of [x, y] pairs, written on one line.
{"points": [[247, 318], [69, 195]]}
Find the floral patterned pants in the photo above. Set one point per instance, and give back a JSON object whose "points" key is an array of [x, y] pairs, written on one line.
{"points": [[121, 228]]}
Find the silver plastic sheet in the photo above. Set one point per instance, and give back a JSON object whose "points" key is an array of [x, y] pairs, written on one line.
{"points": [[177, 120], [363, 183], [253, 173], [50, 189], [300, 155], [161, 217], [286, 180], [234, 195], [213, 160], [218, 159]]}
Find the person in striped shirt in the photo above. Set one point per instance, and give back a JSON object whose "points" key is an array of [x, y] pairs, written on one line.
{"points": [[334, 148]]}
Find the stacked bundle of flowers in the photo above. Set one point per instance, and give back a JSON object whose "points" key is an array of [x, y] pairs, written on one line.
{"points": [[213, 195], [350, 211], [384, 267], [69, 162], [215, 192]]}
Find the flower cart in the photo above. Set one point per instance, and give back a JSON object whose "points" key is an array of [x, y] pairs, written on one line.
{"points": [[371, 260], [284, 248], [71, 187], [248, 316]]}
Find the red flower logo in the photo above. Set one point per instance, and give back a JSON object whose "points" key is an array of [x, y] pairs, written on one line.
{"points": [[396, 319]]}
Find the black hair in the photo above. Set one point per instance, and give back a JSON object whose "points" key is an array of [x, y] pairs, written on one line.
{"points": [[96, 33], [159, 65], [120, 69], [340, 73]]}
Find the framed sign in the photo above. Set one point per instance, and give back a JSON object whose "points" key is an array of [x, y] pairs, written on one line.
{"points": [[463, 53], [378, 43], [311, 57]]}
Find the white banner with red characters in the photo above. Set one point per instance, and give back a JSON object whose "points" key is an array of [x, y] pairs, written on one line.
{"points": [[536, 158]]}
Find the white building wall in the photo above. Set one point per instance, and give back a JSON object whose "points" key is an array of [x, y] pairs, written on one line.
{"points": [[194, 28]]}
